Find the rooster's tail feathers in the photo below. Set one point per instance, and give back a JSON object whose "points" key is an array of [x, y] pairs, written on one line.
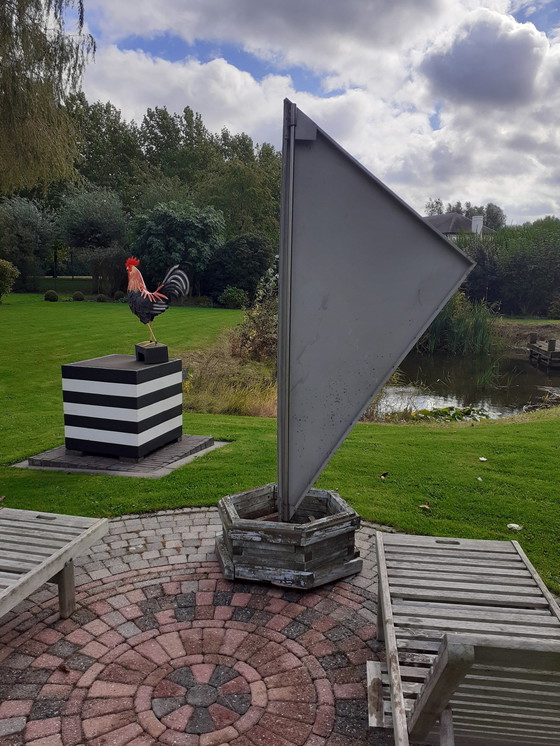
{"points": [[175, 283]]}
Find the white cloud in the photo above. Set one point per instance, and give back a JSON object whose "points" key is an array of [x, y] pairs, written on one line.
{"points": [[385, 68]]}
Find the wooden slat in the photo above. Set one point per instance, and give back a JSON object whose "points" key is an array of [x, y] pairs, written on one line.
{"points": [[484, 614], [477, 627], [465, 609], [484, 573], [397, 701], [446, 595], [397, 585], [375, 694], [437, 542]]}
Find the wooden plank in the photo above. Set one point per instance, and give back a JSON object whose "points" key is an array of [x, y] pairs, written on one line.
{"points": [[453, 661], [407, 540], [425, 577], [482, 614], [418, 594], [397, 700], [506, 569], [374, 694], [398, 603], [479, 627], [31, 554], [396, 584], [546, 593]]}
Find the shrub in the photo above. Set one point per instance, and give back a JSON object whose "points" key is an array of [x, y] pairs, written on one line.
{"points": [[51, 296], [258, 336], [554, 308], [119, 295], [101, 298], [8, 275], [78, 296], [233, 297]]}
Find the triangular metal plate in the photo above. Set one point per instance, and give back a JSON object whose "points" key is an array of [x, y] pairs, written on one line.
{"points": [[361, 277]]}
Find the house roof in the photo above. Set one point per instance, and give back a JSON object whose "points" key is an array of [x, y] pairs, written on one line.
{"points": [[453, 223]]}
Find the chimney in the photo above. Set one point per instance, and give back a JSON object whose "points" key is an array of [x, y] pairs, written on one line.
{"points": [[477, 221]]}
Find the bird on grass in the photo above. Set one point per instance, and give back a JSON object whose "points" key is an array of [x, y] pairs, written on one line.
{"points": [[148, 305]]}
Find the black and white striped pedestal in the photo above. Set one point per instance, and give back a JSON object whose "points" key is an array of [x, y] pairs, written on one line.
{"points": [[117, 406]]}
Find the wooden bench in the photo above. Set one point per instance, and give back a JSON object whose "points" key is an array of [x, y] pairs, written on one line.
{"points": [[438, 595], [36, 548]]}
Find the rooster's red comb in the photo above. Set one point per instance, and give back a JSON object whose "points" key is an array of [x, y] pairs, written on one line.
{"points": [[132, 262]]}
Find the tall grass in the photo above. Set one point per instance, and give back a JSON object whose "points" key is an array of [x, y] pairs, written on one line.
{"points": [[463, 327], [221, 381]]}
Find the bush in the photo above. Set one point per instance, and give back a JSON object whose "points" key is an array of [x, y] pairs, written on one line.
{"points": [[51, 296], [8, 275], [258, 336], [554, 308], [78, 296], [101, 298], [119, 295], [234, 298]]}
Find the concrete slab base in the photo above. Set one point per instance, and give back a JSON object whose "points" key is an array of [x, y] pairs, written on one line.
{"points": [[155, 465]]}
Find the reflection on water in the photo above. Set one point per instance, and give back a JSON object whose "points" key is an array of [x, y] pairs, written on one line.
{"points": [[463, 382]]}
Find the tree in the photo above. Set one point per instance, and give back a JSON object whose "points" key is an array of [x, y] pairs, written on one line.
{"points": [[110, 153], [40, 65], [239, 263], [433, 207], [26, 234], [494, 216], [175, 233], [94, 222], [8, 275]]}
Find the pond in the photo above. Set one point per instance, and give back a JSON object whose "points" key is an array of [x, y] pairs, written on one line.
{"points": [[501, 387]]}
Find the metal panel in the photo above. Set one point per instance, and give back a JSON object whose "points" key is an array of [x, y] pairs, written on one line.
{"points": [[361, 277]]}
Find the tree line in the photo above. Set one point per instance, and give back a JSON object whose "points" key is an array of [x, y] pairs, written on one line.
{"points": [[167, 190]]}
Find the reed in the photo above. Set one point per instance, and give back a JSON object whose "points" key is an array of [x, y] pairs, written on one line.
{"points": [[463, 327]]}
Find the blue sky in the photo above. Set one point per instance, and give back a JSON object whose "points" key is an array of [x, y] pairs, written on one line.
{"points": [[457, 99]]}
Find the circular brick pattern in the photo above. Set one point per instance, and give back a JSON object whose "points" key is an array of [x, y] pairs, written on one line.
{"points": [[206, 696], [175, 654]]}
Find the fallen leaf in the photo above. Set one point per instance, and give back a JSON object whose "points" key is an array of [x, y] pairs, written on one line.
{"points": [[382, 476], [479, 479], [426, 505], [514, 527], [482, 459]]}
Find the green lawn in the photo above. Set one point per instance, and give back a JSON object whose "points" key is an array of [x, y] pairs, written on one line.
{"points": [[435, 463]]}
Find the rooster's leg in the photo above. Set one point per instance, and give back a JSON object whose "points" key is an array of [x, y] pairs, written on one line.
{"points": [[152, 335]]}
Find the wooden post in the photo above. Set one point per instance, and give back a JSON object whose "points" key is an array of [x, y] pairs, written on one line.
{"points": [[446, 735], [551, 345], [66, 589]]}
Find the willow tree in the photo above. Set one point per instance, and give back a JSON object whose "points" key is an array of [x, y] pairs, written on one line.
{"points": [[40, 66]]}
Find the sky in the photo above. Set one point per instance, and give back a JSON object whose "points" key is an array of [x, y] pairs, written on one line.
{"points": [[456, 99]]}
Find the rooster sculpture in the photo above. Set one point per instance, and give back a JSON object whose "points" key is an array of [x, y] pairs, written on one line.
{"points": [[148, 305]]}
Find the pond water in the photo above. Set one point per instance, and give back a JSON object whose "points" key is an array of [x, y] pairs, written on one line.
{"points": [[462, 382]]}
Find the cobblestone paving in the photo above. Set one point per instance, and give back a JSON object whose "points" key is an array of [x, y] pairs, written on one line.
{"points": [[163, 650]]}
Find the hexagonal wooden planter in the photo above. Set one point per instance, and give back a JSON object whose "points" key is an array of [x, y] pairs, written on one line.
{"points": [[315, 547]]}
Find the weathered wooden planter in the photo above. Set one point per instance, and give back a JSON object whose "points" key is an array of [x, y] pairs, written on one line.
{"points": [[316, 547]]}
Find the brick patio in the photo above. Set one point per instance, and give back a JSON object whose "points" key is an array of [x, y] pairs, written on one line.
{"points": [[163, 650]]}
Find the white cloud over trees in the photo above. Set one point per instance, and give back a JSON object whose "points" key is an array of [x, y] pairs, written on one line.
{"points": [[449, 98]]}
